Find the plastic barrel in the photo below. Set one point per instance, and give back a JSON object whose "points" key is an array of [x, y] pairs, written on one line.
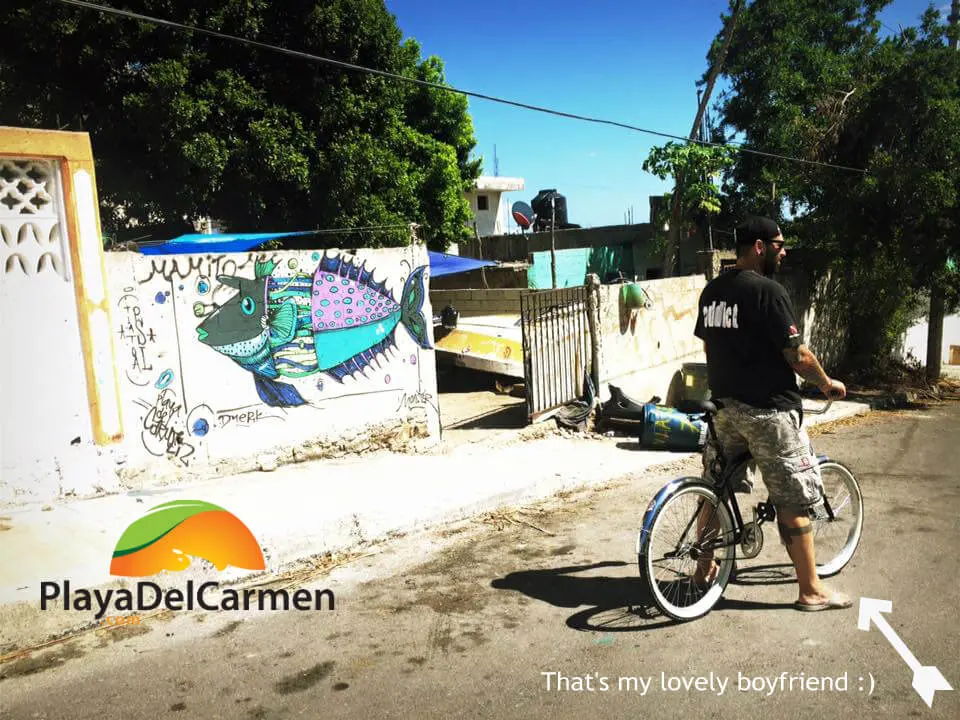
{"points": [[667, 429]]}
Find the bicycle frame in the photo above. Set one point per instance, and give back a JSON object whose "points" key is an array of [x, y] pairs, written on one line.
{"points": [[723, 486]]}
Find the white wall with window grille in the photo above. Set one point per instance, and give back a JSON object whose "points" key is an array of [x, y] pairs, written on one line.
{"points": [[45, 421]]}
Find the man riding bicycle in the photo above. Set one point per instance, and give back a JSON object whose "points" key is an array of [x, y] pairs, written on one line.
{"points": [[754, 352]]}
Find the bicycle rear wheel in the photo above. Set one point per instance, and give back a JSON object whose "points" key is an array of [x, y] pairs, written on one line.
{"points": [[835, 541], [670, 551]]}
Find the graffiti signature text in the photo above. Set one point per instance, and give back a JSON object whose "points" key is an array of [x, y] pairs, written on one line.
{"points": [[415, 400], [135, 336], [181, 267], [161, 434], [244, 417]]}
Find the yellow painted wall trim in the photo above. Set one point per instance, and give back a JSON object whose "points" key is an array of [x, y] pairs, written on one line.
{"points": [[61, 144], [74, 154]]}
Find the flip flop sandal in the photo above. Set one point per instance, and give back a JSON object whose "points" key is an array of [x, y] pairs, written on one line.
{"points": [[834, 603]]}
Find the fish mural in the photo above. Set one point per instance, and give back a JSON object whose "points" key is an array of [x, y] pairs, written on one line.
{"points": [[336, 321]]}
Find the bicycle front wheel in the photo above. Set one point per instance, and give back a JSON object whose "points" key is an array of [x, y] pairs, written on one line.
{"points": [[835, 540], [691, 529]]}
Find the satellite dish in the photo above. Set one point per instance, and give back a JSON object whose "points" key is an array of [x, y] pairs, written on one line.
{"points": [[523, 214]]}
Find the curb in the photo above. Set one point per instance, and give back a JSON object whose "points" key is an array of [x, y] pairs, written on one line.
{"points": [[374, 522]]}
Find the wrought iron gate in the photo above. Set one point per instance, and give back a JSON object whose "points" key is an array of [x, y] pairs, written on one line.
{"points": [[556, 347]]}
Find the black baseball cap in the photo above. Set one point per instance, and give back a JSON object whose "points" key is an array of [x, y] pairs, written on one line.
{"points": [[756, 228]]}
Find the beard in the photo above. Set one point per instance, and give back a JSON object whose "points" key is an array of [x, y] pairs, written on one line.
{"points": [[771, 264]]}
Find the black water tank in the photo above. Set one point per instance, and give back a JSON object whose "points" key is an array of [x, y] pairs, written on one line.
{"points": [[541, 206]]}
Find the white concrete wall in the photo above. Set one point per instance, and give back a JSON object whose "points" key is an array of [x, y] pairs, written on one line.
{"points": [[46, 443], [643, 349], [187, 406], [914, 341], [489, 220]]}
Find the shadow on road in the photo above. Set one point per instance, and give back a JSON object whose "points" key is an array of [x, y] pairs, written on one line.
{"points": [[728, 604], [623, 604], [619, 604], [779, 574]]}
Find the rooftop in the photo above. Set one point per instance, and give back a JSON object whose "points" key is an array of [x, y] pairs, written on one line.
{"points": [[489, 182]]}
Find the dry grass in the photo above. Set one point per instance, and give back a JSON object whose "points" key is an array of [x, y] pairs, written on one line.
{"points": [[895, 376], [511, 516]]}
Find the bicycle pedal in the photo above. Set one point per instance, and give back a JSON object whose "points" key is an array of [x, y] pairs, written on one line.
{"points": [[765, 511]]}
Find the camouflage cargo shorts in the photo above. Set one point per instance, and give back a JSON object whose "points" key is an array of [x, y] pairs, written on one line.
{"points": [[781, 452]]}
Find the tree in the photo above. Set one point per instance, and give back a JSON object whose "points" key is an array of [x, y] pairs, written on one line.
{"points": [[185, 125], [700, 167], [818, 82]]}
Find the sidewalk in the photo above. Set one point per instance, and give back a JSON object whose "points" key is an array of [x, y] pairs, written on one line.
{"points": [[298, 511]]}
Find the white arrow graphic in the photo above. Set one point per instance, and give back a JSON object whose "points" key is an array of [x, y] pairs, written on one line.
{"points": [[926, 678]]}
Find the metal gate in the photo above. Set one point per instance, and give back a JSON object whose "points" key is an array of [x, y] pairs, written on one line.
{"points": [[556, 347]]}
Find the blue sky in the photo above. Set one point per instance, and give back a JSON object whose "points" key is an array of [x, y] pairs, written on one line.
{"points": [[632, 61]]}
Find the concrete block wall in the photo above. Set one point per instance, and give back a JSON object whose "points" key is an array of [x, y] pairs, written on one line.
{"points": [[643, 350], [475, 303], [515, 247], [510, 275]]}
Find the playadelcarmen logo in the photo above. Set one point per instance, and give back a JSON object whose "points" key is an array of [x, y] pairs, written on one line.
{"points": [[164, 539]]}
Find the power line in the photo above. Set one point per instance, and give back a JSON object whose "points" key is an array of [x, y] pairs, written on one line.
{"points": [[322, 231], [437, 86], [368, 228]]}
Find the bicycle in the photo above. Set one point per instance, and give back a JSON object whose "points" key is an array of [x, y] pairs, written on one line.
{"points": [[689, 506]]}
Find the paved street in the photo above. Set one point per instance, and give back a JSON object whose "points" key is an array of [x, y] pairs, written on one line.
{"points": [[465, 622]]}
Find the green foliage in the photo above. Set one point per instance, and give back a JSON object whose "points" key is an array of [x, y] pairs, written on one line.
{"points": [[696, 169], [184, 125], [817, 82], [699, 167]]}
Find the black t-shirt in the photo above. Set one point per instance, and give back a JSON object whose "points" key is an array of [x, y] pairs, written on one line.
{"points": [[747, 321]]}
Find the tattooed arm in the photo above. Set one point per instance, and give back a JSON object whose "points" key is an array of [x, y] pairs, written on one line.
{"points": [[806, 365]]}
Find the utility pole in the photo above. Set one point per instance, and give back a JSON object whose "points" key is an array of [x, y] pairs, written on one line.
{"points": [[937, 291], [954, 21], [672, 250], [553, 240]]}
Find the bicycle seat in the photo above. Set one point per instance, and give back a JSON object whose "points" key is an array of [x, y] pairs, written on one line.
{"points": [[697, 407]]}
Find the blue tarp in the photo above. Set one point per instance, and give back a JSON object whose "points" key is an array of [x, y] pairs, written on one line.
{"points": [[440, 263], [443, 264], [213, 242]]}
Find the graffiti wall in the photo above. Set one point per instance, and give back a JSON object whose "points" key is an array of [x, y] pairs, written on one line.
{"points": [[224, 357]]}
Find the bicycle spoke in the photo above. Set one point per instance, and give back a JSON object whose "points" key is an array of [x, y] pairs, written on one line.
{"points": [[846, 501], [691, 524], [837, 537]]}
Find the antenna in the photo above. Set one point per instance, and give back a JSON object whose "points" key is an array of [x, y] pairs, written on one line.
{"points": [[496, 162]]}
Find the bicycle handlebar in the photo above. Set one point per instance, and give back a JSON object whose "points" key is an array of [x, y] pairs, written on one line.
{"points": [[820, 411]]}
